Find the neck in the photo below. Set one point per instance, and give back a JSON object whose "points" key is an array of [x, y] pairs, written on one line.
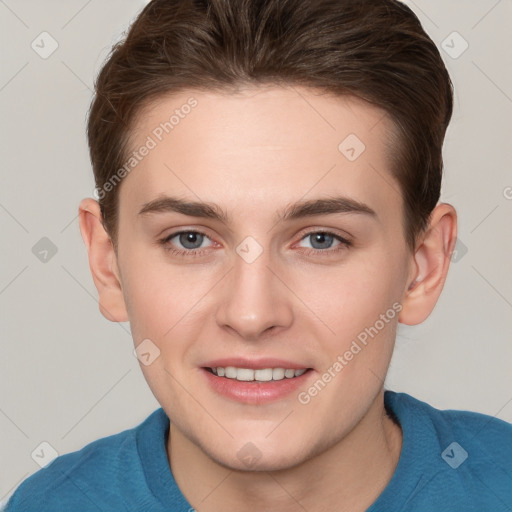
{"points": [[348, 475]]}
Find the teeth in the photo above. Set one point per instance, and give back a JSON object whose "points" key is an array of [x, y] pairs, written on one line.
{"points": [[245, 374], [278, 373], [231, 372], [262, 375]]}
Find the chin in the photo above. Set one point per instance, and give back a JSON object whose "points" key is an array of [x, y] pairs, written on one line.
{"points": [[250, 458]]}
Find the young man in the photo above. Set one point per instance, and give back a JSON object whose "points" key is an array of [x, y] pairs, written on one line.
{"points": [[268, 176]]}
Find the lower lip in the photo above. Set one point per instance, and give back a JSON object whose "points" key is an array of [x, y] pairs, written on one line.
{"points": [[255, 392]]}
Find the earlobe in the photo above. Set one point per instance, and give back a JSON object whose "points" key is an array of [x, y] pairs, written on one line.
{"points": [[102, 261], [431, 264]]}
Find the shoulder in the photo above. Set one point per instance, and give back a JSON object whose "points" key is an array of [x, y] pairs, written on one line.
{"points": [[465, 458], [476, 429], [90, 478], [480, 433]]}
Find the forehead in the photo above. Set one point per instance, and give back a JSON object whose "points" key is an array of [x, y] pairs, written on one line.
{"points": [[263, 144]]}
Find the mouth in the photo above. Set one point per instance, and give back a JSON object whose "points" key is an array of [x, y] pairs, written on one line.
{"points": [[263, 383]]}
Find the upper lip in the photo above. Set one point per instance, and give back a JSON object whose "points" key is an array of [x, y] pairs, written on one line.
{"points": [[254, 364]]}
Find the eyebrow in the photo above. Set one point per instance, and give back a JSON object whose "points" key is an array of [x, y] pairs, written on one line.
{"points": [[301, 209], [168, 204]]}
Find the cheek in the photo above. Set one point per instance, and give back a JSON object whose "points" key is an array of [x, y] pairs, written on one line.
{"points": [[148, 290], [160, 296], [355, 297]]}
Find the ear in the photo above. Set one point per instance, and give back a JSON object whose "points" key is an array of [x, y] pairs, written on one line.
{"points": [[430, 266], [102, 261]]}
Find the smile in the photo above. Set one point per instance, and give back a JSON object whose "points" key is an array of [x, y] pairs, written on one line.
{"points": [[256, 386]]}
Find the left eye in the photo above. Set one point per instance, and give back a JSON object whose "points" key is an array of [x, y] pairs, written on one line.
{"points": [[321, 240], [189, 239]]}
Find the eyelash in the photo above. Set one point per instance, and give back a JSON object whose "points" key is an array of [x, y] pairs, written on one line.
{"points": [[182, 252], [344, 244]]}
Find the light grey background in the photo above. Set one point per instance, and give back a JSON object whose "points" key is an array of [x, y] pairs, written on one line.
{"points": [[68, 376]]}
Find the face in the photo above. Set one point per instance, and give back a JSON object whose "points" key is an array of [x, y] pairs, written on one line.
{"points": [[293, 259]]}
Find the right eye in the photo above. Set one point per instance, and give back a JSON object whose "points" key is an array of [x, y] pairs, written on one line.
{"points": [[188, 242]]}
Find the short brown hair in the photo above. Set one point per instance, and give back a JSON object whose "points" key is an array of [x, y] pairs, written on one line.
{"points": [[375, 50]]}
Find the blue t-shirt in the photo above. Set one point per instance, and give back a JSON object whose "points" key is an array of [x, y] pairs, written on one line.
{"points": [[450, 460]]}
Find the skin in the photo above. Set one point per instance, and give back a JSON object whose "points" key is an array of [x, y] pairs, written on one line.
{"points": [[253, 154]]}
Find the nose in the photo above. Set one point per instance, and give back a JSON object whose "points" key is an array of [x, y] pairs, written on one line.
{"points": [[254, 301]]}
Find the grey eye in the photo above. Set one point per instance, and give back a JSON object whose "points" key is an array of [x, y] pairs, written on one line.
{"points": [[320, 240], [191, 239]]}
